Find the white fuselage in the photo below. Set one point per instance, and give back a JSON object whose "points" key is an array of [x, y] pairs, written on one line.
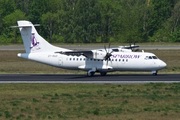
{"points": [[100, 60], [120, 61]]}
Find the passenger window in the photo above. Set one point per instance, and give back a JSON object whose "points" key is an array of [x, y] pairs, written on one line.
{"points": [[112, 59], [116, 59], [70, 59], [123, 60], [84, 59], [80, 59], [119, 60], [77, 59], [73, 58], [126, 60], [91, 58], [94, 59]]}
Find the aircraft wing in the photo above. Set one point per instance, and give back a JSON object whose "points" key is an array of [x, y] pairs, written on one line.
{"points": [[78, 53], [95, 54]]}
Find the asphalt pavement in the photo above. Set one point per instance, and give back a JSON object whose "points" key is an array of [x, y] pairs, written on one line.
{"points": [[76, 78]]}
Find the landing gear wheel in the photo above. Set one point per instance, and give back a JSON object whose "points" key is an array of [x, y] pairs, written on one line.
{"points": [[90, 74], [103, 73], [154, 74]]}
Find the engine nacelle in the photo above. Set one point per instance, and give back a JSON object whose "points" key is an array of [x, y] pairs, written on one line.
{"points": [[125, 50], [97, 54]]}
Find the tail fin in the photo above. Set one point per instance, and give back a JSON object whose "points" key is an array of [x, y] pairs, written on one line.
{"points": [[33, 42]]}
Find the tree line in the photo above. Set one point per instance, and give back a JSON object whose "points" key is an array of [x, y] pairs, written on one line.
{"points": [[93, 21]]}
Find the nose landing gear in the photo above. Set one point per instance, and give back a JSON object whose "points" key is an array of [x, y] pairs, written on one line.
{"points": [[154, 73]]}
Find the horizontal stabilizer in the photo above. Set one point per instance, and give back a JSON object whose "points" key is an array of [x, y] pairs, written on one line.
{"points": [[24, 26]]}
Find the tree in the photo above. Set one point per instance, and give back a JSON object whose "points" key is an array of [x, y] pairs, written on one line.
{"points": [[10, 20], [86, 21], [6, 7], [107, 12], [160, 11], [175, 16], [23, 5], [131, 21], [49, 21]]}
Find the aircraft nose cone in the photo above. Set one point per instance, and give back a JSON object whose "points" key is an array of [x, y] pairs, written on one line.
{"points": [[163, 64]]}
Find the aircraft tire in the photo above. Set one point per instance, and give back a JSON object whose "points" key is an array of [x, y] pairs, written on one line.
{"points": [[154, 74], [91, 74], [103, 73]]}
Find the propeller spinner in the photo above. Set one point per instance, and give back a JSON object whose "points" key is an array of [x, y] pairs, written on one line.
{"points": [[108, 54]]}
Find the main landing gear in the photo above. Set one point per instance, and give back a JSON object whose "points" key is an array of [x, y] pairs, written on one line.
{"points": [[103, 73], [91, 73]]}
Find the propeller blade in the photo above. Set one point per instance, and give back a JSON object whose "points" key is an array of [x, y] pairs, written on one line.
{"points": [[109, 47], [134, 45], [130, 46], [108, 54], [134, 42], [105, 48]]}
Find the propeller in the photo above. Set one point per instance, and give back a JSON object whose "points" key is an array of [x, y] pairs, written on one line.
{"points": [[108, 54], [132, 47]]}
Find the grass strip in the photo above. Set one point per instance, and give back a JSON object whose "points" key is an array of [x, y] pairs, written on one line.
{"points": [[90, 101]]}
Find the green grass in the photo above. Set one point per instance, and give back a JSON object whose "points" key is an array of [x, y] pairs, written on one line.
{"points": [[90, 101], [10, 63]]}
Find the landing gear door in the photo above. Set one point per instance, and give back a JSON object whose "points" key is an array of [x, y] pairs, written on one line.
{"points": [[60, 62]]}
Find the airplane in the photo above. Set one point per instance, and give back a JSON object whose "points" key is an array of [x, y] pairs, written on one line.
{"points": [[122, 58]]}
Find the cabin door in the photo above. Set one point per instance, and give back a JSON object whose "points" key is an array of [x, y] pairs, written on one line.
{"points": [[60, 61]]}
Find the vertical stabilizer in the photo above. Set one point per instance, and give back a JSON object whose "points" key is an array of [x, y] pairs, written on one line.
{"points": [[33, 42]]}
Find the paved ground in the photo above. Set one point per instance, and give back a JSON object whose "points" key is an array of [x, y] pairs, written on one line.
{"points": [[71, 78]]}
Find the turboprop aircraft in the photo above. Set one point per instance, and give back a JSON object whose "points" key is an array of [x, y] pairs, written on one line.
{"points": [[100, 60]]}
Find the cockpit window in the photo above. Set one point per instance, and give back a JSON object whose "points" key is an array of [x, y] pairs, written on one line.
{"points": [[150, 57], [146, 58], [154, 57]]}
